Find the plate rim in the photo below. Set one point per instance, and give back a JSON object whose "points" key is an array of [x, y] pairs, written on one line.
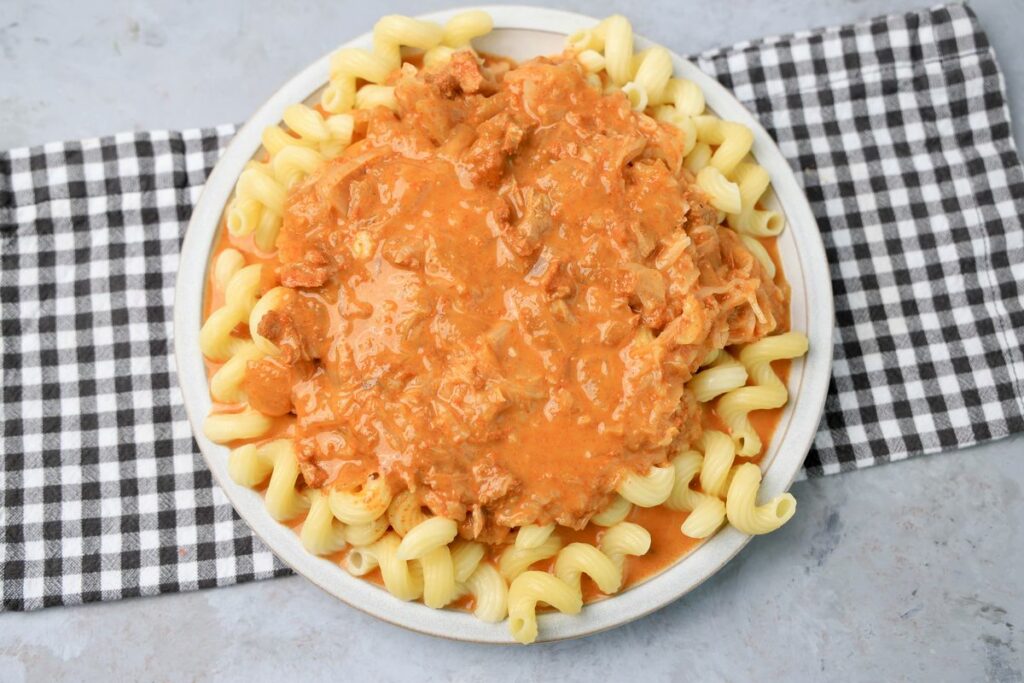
{"points": [[652, 594]]}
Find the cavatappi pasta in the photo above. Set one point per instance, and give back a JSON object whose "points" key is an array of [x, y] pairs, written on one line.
{"points": [[400, 531]]}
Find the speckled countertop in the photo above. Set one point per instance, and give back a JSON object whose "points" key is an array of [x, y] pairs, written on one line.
{"points": [[910, 571]]}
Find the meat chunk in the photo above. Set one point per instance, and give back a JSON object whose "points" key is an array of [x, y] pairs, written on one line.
{"points": [[466, 71], [514, 136], [462, 74], [404, 251], [329, 457], [492, 482], [524, 236], [497, 139], [300, 332], [263, 383], [648, 293], [313, 271], [423, 107]]}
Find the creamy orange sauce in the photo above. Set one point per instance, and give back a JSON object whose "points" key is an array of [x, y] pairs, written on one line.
{"points": [[496, 298]]}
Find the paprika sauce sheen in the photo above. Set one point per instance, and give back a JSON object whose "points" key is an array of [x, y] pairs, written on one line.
{"points": [[496, 296]]}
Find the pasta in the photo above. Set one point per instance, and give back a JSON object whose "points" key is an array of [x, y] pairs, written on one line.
{"points": [[719, 453], [648, 490], [331, 435], [636, 94], [295, 162], [732, 140], [438, 575], [243, 216], [705, 519], [227, 427], [466, 558], [226, 383], [669, 114], [724, 194], [753, 182], [366, 533], [577, 559], [617, 511], [250, 465], [258, 185], [622, 539], [742, 508], [686, 96], [227, 264], [402, 578], [398, 30], [275, 138], [321, 534], [514, 561], [724, 374], [370, 96], [362, 505], [353, 63], [698, 158], [426, 536], [215, 339], [490, 592], [654, 72], [266, 231], [618, 48], [405, 512], [526, 591], [360, 561], [591, 60], [706, 511], [768, 391], [437, 56], [465, 26], [533, 535]]}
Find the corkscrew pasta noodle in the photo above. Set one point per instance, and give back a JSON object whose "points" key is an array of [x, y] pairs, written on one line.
{"points": [[490, 592], [647, 490], [465, 26], [438, 576], [768, 391], [405, 512], [719, 454], [402, 578], [723, 374], [622, 539], [706, 511], [466, 558], [741, 504], [533, 535], [530, 588], [424, 551], [227, 427], [366, 533], [226, 382], [514, 561], [617, 511], [429, 534], [363, 505], [577, 559], [321, 533]]}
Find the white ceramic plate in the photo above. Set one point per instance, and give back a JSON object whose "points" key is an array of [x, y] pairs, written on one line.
{"points": [[520, 33]]}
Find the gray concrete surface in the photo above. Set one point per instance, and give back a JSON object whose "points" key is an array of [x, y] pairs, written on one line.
{"points": [[910, 571]]}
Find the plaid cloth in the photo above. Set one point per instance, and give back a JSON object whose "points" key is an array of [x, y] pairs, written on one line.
{"points": [[898, 129]]}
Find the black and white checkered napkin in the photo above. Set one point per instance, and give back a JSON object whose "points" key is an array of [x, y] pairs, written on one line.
{"points": [[898, 129]]}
